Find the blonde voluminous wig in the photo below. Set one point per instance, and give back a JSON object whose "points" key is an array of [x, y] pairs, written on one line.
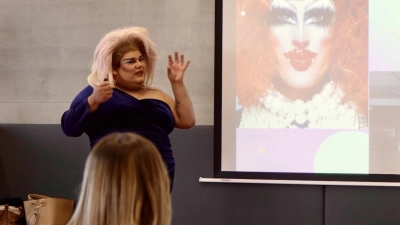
{"points": [[125, 182], [123, 39]]}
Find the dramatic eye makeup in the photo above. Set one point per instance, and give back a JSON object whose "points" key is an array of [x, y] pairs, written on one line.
{"points": [[320, 14], [133, 60], [280, 16]]}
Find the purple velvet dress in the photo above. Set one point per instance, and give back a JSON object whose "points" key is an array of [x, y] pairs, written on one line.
{"points": [[151, 118]]}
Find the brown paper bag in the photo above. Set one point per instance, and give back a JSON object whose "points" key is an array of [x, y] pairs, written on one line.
{"points": [[44, 210]]}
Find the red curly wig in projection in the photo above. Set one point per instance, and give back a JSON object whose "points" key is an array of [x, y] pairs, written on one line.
{"points": [[302, 63]]}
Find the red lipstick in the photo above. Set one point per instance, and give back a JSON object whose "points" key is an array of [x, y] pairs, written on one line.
{"points": [[300, 59]]}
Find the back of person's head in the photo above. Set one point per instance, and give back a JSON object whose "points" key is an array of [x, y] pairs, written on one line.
{"points": [[125, 182]]}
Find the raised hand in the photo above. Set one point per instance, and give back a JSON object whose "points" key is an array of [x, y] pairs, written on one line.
{"points": [[177, 67]]}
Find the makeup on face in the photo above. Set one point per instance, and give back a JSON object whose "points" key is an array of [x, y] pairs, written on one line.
{"points": [[300, 59], [132, 71], [133, 60], [319, 13], [299, 31]]}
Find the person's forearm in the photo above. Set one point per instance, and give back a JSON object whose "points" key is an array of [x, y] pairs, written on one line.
{"points": [[92, 105], [183, 106], [74, 120]]}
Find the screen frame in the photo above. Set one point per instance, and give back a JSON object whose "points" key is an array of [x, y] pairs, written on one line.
{"points": [[286, 178]]}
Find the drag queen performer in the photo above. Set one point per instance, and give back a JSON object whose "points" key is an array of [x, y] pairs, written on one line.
{"points": [[302, 63]]}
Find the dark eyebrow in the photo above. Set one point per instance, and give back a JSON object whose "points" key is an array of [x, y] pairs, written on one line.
{"points": [[133, 58]]}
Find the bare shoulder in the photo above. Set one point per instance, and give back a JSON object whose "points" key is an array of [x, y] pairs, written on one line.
{"points": [[159, 94]]}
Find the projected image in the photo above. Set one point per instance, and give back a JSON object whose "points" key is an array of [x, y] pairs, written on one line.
{"points": [[384, 128], [384, 35], [384, 80], [317, 91], [302, 86], [302, 64]]}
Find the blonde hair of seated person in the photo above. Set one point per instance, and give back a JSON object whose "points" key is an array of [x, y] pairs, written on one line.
{"points": [[125, 182]]}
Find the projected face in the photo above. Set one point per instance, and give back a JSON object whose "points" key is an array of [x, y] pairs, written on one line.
{"points": [[300, 36]]}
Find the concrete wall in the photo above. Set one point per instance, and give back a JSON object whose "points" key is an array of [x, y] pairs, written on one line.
{"points": [[46, 49]]}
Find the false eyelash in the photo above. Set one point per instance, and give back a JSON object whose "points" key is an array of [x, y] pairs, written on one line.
{"points": [[274, 17], [326, 13], [277, 16]]}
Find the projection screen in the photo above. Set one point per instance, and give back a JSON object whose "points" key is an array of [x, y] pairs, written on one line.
{"points": [[308, 90]]}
